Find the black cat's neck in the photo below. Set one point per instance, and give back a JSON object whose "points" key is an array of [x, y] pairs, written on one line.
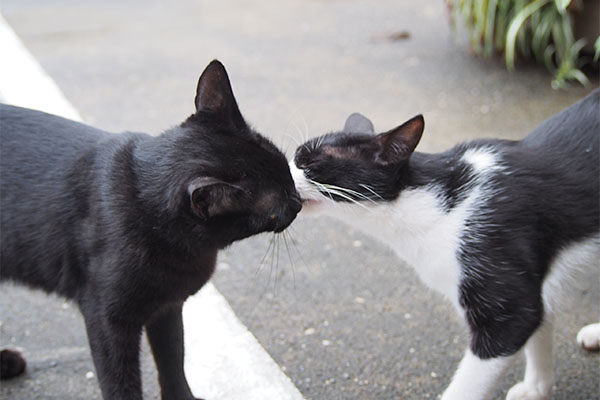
{"points": [[148, 194]]}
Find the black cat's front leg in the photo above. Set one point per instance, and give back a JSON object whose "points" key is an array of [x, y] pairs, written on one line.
{"points": [[115, 349], [165, 334]]}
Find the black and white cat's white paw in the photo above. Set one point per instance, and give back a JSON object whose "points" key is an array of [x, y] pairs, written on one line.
{"points": [[589, 337], [530, 391]]}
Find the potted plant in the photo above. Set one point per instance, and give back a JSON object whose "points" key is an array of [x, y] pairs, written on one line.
{"points": [[552, 32]]}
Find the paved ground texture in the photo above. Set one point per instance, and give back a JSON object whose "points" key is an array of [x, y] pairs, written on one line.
{"points": [[341, 315]]}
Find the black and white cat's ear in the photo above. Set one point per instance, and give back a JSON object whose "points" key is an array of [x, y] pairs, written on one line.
{"points": [[358, 123], [399, 143], [214, 93]]}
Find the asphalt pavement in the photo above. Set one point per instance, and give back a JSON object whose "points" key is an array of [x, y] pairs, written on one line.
{"points": [[338, 312]]}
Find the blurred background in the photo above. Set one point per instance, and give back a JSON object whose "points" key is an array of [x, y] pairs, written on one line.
{"points": [[339, 313]]}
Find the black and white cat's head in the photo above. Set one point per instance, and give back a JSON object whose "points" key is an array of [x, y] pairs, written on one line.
{"points": [[230, 182], [355, 165]]}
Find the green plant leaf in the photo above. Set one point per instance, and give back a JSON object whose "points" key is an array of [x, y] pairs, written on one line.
{"points": [[515, 27], [597, 49], [561, 5], [549, 59], [538, 28], [489, 27], [541, 32], [575, 49], [479, 25], [502, 21]]}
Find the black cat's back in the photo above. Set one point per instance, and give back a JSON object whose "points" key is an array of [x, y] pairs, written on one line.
{"points": [[44, 163], [37, 152], [44, 134]]}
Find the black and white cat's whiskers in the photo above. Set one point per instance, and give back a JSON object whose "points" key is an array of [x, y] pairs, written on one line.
{"points": [[499, 228], [333, 191]]}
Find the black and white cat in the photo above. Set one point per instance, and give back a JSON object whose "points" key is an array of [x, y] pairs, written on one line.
{"points": [[129, 225], [504, 229]]}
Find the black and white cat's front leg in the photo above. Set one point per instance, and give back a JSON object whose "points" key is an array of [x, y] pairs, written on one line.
{"points": [[539, 368], [165, 335], [476, 377]]}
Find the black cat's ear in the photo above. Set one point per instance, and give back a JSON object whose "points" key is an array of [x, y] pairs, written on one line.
{"points": [[200, 191], [358, 123], [214, 93], [399, 143], [210, 196]]}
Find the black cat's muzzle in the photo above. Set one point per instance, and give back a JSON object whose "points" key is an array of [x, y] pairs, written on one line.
{"points": [[288, 214]]}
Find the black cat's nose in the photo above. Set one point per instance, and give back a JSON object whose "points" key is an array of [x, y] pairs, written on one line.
{"points": [[295, 203], [294, 206]]}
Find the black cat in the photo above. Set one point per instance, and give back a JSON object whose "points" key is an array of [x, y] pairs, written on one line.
{"points": [[129, 225]]}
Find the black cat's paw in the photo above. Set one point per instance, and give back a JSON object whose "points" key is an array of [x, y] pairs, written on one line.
{"points": [[11, 364]]}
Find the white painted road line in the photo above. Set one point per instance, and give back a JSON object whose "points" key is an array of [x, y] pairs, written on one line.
{"points": [[223, 359], [24, 83]]}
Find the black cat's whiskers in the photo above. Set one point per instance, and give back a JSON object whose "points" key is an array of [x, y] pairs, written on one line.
{"points": [[296, 141], [303, 133], [271, 260], [261, 264], [287, 243], [292, 231], [274, 267]]}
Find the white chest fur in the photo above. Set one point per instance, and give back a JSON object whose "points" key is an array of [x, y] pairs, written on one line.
{"points": [[415, 226], [419, 231]]}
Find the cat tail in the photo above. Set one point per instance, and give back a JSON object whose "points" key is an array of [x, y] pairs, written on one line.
{"points": [[12, 364]]}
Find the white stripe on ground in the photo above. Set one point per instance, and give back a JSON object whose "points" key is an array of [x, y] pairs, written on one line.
{"points": [[24, 83], [223, 359]]}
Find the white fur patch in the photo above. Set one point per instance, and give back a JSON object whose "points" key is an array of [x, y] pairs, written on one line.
{"points": [[475, 377], [306, 190], [572, 270], [481, 159], [539, 371], [589, 337], [415, 226]]}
